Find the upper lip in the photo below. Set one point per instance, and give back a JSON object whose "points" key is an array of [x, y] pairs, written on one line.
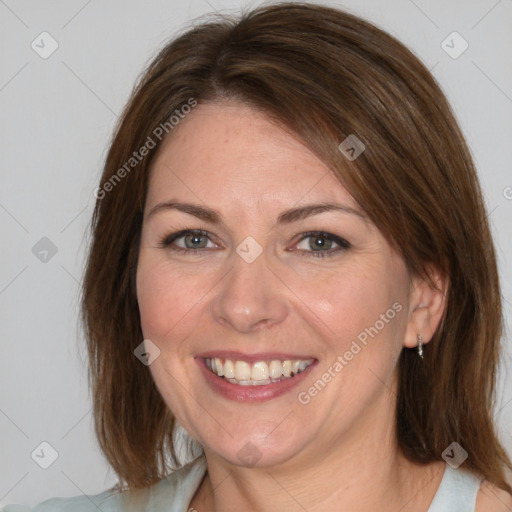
{"points": [[234, 355]]}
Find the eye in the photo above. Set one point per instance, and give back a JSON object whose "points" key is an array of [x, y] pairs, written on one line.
{"points": [[188, 240], [312, 243], [320, 243]]}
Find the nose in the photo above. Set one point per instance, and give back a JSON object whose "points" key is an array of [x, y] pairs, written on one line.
{"points": [[251, 297]]}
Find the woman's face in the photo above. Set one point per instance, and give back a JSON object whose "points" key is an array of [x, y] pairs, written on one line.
{"points": [[269, 278]]}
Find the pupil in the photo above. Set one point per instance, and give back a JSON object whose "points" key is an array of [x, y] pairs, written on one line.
{"points": [[194, 241], [320, 242]]}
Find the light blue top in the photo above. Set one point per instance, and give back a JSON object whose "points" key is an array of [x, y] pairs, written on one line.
{"points": [[456, 493]]}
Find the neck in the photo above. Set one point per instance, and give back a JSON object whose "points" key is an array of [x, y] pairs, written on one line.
{"points": [[361, 470]]}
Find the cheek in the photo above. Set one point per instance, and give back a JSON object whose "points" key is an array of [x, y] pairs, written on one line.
{"points": [[168, 301], [356, 303], [359, 314], [346, 300], [165, 297]]}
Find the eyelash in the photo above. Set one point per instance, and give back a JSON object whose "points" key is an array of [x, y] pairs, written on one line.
{"points": [[166, 242]]}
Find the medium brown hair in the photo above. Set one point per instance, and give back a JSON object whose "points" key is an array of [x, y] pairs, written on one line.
{"points": [[323, 74]]}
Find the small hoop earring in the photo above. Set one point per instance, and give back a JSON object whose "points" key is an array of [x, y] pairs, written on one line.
{"points": [[420, 346]]}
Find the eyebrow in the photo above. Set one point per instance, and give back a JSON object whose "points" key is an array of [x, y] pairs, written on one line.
{"points": [[286, 217]]}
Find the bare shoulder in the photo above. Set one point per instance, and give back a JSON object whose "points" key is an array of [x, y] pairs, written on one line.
{"points": [[492, 499]]}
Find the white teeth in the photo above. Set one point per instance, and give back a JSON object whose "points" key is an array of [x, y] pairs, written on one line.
{"points": [[275, 369], [287, 368], [302, 366], [258, 373], [242, 370], [218, 366], [229, 369], [251, 382]]}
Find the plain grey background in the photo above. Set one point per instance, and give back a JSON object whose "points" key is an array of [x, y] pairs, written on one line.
{"points": [[57, 115]]}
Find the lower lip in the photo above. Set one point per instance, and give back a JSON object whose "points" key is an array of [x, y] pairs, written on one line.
{"points": [[261, 393]]}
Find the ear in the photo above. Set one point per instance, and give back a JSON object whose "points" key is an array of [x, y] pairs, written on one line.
{"points": [[426, 306]]}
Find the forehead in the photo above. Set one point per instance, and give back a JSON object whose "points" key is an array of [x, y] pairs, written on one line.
{"points": [[231, 155]]}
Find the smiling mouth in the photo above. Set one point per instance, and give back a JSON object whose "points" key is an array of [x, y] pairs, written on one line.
{"points": [[258, 373]]}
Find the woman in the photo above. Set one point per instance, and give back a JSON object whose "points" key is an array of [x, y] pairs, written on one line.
{"points": [[290, 219]]}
